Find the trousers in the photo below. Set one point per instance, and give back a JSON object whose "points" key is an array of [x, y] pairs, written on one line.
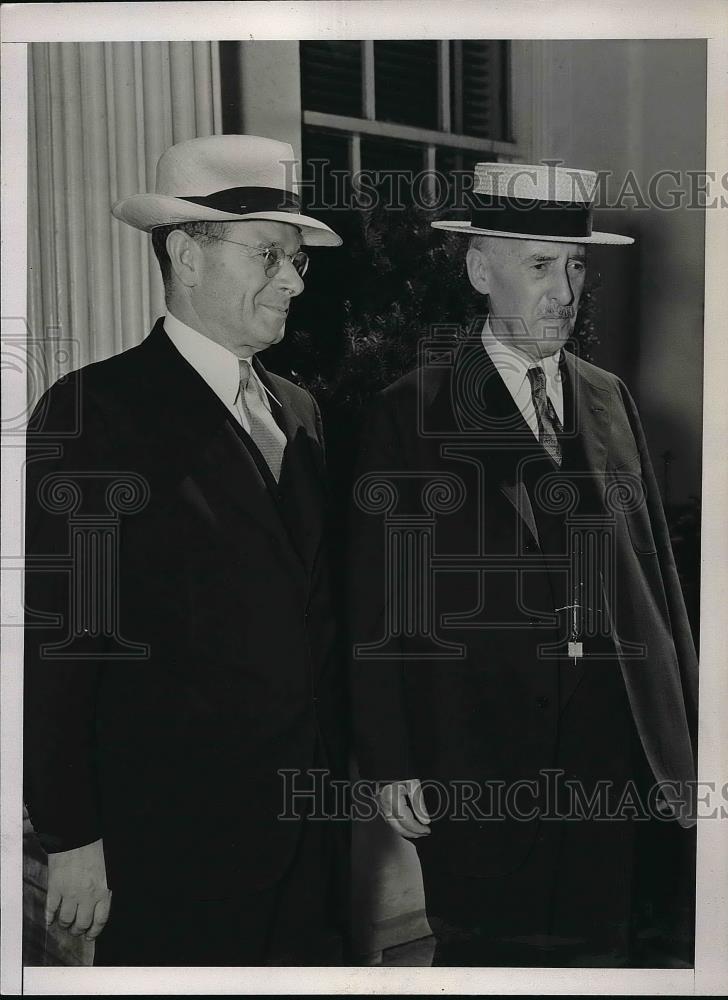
{"points": [[590, 887], [297, 921]]}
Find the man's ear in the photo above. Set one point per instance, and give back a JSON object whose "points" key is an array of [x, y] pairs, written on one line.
{"points": [[185, 257], [477, 266]]}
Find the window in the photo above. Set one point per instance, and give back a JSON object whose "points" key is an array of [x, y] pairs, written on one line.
{"points": [[331, 77], [403, 105], [406, 79]]}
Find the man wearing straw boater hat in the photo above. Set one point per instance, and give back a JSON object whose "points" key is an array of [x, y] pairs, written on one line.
{"points": [[524, 676], [154, 747]]}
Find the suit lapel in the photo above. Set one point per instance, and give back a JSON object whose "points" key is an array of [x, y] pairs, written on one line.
{"points": [[587, 418], [495, 419], [516, 493], [194, 438], [496, 415], [227, 460], [300, 487]]}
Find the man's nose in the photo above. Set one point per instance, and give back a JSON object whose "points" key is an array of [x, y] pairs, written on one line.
{"points": [[289, 278], [562, 290]]}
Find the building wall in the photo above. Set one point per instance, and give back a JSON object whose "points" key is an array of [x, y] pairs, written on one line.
{"points": [[640, 106], [671, 303], [264, 89]]}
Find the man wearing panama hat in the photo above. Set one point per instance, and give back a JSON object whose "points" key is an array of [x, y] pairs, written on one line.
{"points": [[524, 677], [154, 749]]}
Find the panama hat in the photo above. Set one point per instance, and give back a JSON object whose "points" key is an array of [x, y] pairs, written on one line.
{"points": [[224, 178], [532, 202]]}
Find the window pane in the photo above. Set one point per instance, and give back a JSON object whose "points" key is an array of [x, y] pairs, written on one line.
{"points": [[406, 83], [331, 77], [397, 165], [389, 154]]}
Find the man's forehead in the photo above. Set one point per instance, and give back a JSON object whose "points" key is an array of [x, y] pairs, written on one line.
{"points": [[547, 249]]}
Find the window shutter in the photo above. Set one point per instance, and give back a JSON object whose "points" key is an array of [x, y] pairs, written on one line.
{"points": [[406, 83], [331, 77], [479, 76], [325, 160]]}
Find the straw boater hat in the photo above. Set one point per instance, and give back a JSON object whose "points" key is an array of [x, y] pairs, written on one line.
{"points": [[225, 178], [532, 202]]}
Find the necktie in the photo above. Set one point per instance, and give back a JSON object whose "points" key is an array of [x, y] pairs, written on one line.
{"points": [[264, 431], [549, 425]]}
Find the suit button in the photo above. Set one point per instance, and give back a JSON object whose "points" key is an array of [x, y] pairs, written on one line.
{"points": [[531, 545], [542, 702]]}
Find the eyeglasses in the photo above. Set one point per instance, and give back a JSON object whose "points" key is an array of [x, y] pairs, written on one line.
{"points": [[273, 258]]}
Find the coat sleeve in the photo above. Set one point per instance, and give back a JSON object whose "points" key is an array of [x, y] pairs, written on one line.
{"points": [[63, 449], [377, 689], [680, 625]]}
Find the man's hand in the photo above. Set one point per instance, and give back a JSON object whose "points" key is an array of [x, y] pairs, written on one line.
{"points": [[78, 896], [403, 807]]}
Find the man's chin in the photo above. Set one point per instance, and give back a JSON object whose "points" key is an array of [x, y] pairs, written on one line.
{"points": [[548, 347], [551, 338], [274, 334]]}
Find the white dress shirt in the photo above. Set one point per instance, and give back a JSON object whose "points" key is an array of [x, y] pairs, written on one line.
{"points": [[218, 366], [512, 366]]}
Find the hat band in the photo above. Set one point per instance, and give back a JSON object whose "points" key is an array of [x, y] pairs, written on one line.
{"points": [[540, 218], [243, 200]]}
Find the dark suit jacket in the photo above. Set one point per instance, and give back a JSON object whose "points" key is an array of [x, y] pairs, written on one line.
{"points": [[193, 650], [457, 691]]}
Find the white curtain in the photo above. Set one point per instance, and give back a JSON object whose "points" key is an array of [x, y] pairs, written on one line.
{"points": [[100, 115]]}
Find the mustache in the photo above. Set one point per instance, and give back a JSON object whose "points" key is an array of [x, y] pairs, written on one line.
{"points": [[559, 312]]}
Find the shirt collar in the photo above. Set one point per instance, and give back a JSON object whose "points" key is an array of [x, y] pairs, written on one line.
{"points": [[218, 366], [511, 364]]}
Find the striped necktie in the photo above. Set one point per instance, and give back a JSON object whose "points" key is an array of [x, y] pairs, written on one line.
{"points": [[264, 431], [549, 425]]}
